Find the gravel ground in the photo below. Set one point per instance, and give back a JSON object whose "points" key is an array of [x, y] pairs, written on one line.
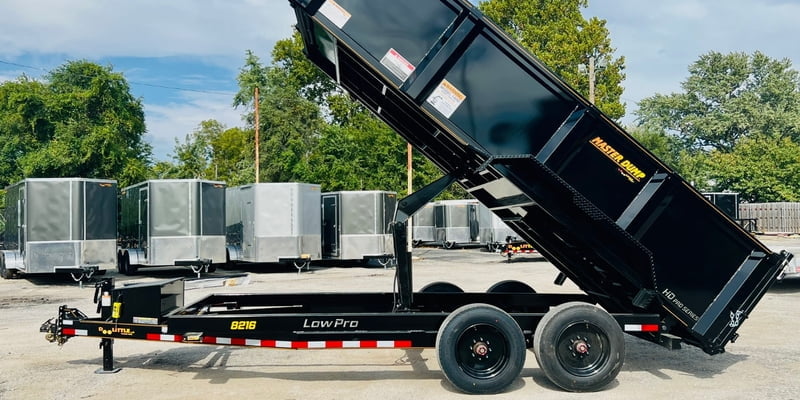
{"points": [[764, 363]]}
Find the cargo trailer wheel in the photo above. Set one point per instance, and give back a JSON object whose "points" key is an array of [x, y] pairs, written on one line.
{"points": [[441, 287], [481, 349], [579, 347], [4, 272], [126, 263], [510, 286], [121, 267]]}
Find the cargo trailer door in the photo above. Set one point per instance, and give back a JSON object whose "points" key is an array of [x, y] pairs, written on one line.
{"points": [[144, 219], [439, 224], [21, 220], [330, 226], [474, 224], [248, 215]]}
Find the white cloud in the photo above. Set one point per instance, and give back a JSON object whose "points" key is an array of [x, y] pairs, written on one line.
{"points": [[142, 28], [167, 122], [660, 40]]}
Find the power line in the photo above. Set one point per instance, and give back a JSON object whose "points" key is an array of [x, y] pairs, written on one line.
{"points": [[220, 93]]}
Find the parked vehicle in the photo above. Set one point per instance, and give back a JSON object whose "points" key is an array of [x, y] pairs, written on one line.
{"points": [[172, 222], [456, 223], [423, 230], [274, 223], [355, 226], [495, 234], [601, 208], [59, 225]]}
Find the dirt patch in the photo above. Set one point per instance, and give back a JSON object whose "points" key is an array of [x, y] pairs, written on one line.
{"points": [[27, 301]]}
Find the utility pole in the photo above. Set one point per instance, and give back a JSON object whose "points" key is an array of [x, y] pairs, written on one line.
{"points": [[591, 79], [258, 162]]}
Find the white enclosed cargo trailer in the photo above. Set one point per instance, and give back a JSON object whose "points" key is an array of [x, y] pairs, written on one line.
{"points": [[59, 225], [355, 225], [274, 223], [167, 222]]}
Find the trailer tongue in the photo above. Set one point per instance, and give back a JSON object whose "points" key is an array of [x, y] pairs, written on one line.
{"points": [[654, 258]]}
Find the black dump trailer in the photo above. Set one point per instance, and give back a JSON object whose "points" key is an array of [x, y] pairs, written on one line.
{"points": [[654, 258]]}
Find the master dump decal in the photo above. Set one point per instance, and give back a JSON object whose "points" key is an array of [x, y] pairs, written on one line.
{"points": [[626, 167]]}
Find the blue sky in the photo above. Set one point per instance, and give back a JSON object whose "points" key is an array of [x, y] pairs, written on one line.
{"points": [[181, 57]]}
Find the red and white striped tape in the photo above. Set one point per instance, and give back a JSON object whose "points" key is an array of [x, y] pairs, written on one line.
{"points": [[641, 328], [286, 344]]}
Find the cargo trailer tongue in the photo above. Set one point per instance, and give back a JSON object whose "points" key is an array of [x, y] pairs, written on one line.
{"points": [[654, 258]]}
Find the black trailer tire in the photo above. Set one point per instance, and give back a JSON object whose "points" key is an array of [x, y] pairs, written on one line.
{"points": [[121, 267], [481, 349], [510, 286], [579, 347], [130, 269], [211, 268], [441, 287]]}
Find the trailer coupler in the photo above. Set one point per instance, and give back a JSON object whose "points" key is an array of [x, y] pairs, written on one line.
{"points": [[53, 327]]}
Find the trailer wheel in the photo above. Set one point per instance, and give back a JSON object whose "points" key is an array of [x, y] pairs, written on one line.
{"points": [[441, 287], [510, 286], [481, 349], [4, 272], [579, 347], [130, 269], [121, 267]]}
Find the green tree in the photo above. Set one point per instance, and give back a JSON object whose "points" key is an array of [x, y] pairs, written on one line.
{"points": [[556, 32], [726, 98], [289, 123], [760, 169], [211, 152], [81, 121]]}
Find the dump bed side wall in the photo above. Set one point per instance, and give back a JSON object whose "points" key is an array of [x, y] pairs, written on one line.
{"points": [[604, 210]]}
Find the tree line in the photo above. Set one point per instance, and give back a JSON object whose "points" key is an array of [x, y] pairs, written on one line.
{"points": [[735, 125]]}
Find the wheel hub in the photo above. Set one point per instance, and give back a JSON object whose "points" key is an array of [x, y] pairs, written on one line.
{"points": [[481, 349], [579, 346]]}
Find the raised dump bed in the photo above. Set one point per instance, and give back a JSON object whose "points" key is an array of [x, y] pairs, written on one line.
{"points": [[612, 217]]}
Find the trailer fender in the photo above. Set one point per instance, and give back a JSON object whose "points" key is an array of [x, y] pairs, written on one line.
{"points": [[135, 256], [234, 253], [11, 264]]}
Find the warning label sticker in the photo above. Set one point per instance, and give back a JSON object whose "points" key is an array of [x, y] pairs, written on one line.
{"points": [[396, 63], [335, 13], [446, 98]]}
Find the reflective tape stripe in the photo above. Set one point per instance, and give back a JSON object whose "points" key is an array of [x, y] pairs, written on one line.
{"points": [[74, 332], [164, 338], [282, 344], [641, 328]]}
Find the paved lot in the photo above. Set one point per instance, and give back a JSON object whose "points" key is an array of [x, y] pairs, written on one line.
{"points": [[764, 363]]}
